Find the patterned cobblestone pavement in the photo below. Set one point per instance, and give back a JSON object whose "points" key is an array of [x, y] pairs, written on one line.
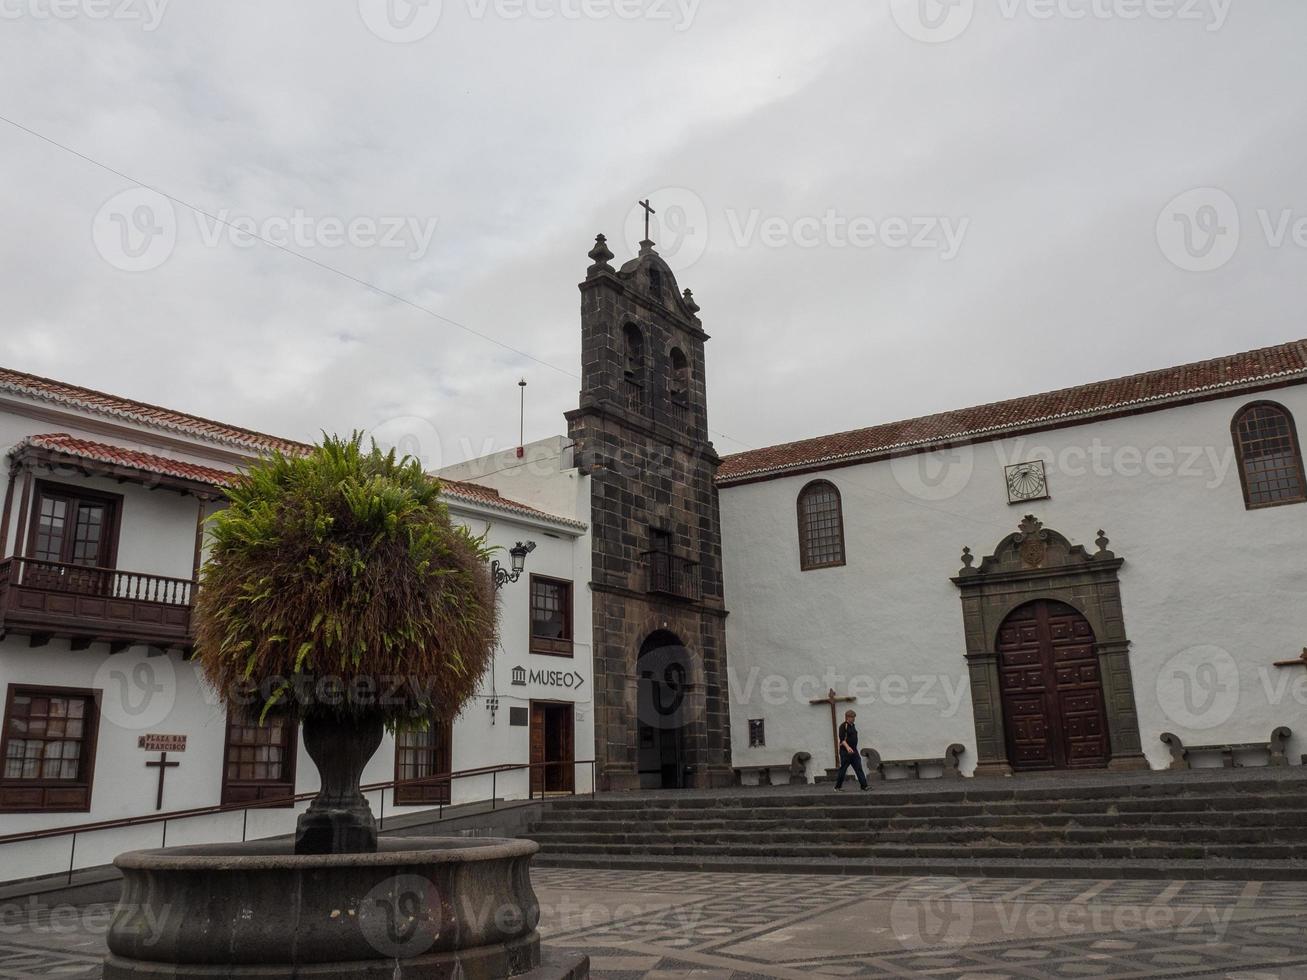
{"points": [[664, 925], [710, 926]]}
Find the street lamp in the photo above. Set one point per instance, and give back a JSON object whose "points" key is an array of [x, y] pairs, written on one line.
{"points": [[517, 554]]}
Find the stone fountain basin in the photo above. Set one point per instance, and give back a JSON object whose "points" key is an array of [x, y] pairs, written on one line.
{"points": [[417, 908]]}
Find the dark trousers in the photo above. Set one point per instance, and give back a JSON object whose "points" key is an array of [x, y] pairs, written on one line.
{"points": [[850, 759]]}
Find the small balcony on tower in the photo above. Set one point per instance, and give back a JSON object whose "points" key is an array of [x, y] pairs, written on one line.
{"points": [[671, 575]]}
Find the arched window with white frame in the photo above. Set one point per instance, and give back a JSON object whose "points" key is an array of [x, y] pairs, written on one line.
{"points": [[1270, 460], [821, 526]]}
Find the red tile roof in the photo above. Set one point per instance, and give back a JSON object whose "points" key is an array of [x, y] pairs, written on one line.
{"points": [[120, 457], [490, 497], [1137, 393], [141, 413]]}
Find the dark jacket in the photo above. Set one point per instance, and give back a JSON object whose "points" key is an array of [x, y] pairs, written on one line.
{"points": [[849, 733]]}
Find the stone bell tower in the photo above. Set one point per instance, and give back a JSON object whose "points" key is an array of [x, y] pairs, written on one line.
{"points": [[641, 434]]}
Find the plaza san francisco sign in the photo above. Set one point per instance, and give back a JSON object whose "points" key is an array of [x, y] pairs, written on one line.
{"points": [[162, 743], [568, 679]]}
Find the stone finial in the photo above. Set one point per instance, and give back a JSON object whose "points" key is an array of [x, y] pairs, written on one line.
{"points": [[1030, 525], [1102, 541], [600, 256], [968, 559], [690, 304], [1032, 542]]}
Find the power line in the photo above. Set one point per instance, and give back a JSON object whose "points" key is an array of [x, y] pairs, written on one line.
{"points": [[246, 231], [289, 251], [398, 298]]}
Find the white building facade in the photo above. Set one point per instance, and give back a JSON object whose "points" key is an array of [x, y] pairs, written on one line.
{"points": [[1133, 567], [105, 715]]}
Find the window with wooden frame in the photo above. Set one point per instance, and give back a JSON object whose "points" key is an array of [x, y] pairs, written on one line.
{"points": [[551, 616], [47, 752], [259, 760], [422, 754], [821, 526], [72, 526], [1270, 460]]}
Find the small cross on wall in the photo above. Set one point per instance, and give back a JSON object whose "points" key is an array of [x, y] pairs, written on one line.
{"points": [[163, 765]]}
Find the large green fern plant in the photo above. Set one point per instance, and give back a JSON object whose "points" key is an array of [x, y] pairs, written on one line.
{"points": [[336, 585]]}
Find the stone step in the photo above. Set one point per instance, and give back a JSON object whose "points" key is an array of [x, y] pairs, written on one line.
{"points": [[1141, 851], [1071, 792], [868, 804], [1234, 795], [904, 820], [834, 839], [1007, 866]]}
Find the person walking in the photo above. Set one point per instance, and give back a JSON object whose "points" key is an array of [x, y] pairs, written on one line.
{"points": [[848, 736]]}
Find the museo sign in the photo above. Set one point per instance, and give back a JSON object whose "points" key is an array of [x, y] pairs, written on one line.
{"points": [[569, 679]]}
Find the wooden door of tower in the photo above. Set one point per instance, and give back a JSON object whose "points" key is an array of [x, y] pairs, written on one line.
{"points": [[1053, 709], [552, 748]]}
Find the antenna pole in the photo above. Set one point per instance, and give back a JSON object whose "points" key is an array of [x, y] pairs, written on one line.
{"points": [[521, 430]]}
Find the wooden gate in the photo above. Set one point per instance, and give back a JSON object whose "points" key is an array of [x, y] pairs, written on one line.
{"points": [[1052, 689]]}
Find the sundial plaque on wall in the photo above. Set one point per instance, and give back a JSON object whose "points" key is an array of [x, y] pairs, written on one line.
{"points": [[1026, 481]]}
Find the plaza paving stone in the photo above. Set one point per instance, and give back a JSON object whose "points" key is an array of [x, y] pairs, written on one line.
{"points": [[674, 926]]}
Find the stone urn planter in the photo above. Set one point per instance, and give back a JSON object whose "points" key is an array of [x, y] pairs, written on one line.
{"points": [[415, 908], [339, 820]]}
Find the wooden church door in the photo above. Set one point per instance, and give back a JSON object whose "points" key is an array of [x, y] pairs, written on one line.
{"points": [[1053, 707]]}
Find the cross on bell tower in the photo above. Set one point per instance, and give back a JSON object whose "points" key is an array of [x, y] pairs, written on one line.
{"points": [[648, 213]]}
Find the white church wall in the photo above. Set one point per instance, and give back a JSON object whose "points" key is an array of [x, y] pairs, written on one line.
{"points": [[1211, 591]]}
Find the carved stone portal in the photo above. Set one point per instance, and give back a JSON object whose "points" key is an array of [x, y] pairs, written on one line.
{"points": [[1039, 563]]}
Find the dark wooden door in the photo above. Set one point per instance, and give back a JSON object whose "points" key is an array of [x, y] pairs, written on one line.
{"points": [[1052, 690], [552, 743], [537, 749], [559, 729], [68, 530]]}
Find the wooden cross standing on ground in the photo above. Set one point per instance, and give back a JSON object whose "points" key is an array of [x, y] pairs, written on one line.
{"points": [[163, 765], [833, 699]]}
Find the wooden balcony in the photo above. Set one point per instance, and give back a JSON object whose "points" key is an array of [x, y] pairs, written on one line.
{"points": [[46, 599], [672, 575]]}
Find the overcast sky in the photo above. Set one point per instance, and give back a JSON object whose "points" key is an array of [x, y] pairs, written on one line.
{"points": [[883, 210]]}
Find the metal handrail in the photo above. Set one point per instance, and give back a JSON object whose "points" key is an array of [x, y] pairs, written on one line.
{"points": [[272, 803], [281, 801]]}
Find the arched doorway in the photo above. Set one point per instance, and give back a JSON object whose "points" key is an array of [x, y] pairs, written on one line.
{"points": [[663, 681], [1053, 706]]}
